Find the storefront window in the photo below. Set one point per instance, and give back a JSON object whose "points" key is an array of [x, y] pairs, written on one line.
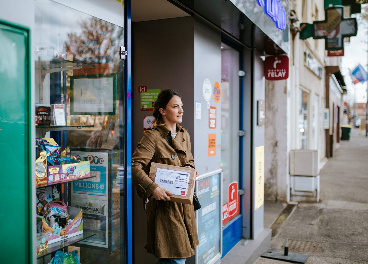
{"points": [[303, 120], [79, 104]]}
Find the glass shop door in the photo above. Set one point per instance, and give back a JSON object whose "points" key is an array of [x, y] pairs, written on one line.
{"points": [[230, 146]]}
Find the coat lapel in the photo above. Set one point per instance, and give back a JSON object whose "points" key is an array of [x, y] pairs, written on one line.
{"points": [[177, 142]]}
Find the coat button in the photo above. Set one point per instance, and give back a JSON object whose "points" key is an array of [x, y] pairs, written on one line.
{"points": [[172, 156]]}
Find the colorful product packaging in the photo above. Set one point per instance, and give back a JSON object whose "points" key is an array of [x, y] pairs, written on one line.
{"points": [[67, 172], [57, 165], [74, 227], [41, 170]]}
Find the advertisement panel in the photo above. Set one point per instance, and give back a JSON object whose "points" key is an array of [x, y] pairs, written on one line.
{"points": [[92, 196], [208, 218]]}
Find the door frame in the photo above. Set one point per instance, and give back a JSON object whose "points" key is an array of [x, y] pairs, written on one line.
{"points": [[234, 226], [30, 129], [128, 131]]}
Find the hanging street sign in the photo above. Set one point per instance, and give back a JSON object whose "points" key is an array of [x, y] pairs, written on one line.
{"points": [[334, 28], [335, 53], [276, 68], [305, 30]]}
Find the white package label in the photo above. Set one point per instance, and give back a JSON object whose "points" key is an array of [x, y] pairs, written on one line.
{"points": [[174, 181]]}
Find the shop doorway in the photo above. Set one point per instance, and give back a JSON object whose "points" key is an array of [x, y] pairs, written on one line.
{"points": [[162, 59], [231, 142]]}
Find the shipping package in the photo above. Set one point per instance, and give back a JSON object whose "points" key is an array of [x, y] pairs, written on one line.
{"points": [[177, 180]]}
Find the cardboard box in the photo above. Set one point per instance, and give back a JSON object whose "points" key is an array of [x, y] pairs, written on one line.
{"points": [[68, 172], [178, 180], [73, 228]]}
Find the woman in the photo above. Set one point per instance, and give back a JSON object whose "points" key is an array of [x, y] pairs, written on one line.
{"points": [[171, 227]]}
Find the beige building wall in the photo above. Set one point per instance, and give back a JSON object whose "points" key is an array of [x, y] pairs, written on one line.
{"points": [[308, 54]]}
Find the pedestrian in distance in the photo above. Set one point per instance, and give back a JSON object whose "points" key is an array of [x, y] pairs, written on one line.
{"points": [[171, 227]]}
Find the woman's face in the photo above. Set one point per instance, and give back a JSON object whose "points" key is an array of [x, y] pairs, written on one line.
{"points": [[173, 113]]}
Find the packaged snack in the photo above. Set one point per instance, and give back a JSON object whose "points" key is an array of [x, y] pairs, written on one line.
{"points": [[47, 142], [63, 161], [50, 141], [52, 157], [65, 257], [65, 152], [41, 170]]}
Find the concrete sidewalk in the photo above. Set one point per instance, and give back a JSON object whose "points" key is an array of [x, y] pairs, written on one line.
{"points": [[335, 230]]}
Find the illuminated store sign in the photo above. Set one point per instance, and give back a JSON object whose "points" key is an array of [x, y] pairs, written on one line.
{"points": [[274, 10]]}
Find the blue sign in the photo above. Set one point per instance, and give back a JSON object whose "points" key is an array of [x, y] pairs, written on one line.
{"points": [[274, 10], [360, 74]]}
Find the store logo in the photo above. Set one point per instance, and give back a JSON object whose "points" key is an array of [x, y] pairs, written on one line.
{"points": [[275, 63], [276, 68], [274, 10], [231, 208], [92, 159]]}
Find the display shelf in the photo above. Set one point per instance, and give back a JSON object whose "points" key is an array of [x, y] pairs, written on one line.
{"points": [[58, 128], [62, 244], [66, 181]]}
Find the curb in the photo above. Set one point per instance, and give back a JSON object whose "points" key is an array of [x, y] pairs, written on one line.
{"points": [[284, 216]]}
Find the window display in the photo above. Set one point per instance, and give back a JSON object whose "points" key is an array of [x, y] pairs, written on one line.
{"points": [[79, 99]]}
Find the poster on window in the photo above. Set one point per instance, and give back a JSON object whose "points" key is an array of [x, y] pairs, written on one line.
{"points": [[259, 177], [93, 94], [92, 196]]}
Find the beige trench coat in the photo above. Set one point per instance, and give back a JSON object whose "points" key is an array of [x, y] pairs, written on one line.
{"points": [[171, 226]]}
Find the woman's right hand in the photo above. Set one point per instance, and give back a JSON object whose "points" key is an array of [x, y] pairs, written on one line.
{"points": [[161, 193]]}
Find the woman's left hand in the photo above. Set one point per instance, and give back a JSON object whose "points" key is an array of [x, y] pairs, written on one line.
{"points": [[161, 193]]}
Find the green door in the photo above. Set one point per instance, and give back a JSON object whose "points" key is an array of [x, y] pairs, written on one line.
{"points": [[15, 145]]}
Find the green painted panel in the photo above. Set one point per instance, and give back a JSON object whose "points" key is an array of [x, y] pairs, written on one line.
{"points": [[14, 145]]}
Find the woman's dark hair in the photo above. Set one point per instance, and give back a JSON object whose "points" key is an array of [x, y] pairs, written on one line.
{"points": [[162, 100]]}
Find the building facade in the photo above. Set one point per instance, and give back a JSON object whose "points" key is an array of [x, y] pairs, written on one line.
{"points": [[98, 65], [306, 111]]}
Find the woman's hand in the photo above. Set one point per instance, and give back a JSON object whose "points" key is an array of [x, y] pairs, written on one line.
{"points": [[161, 193]]}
